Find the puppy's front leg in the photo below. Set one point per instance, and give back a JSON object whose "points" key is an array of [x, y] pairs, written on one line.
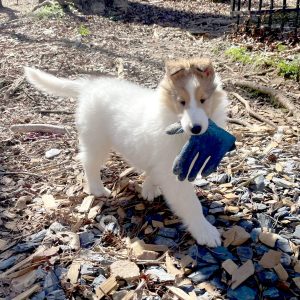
{"points": [[183, 200]]}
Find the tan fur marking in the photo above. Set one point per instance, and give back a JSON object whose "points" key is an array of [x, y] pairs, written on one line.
{"points": [[178, 71]]}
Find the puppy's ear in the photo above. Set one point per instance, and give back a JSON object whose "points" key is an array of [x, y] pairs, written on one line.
{"points": [[204, 68], [174, 70]]}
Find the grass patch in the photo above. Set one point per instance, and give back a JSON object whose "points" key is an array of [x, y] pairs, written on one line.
{"points": [[83, 30], [239, 54], [50, 11], [285, 68]]}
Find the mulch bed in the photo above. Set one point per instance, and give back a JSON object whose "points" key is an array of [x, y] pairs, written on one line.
{"points": [[56, 242]]}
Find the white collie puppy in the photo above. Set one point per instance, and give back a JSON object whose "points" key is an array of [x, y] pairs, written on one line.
{"points": [[119, 115]]}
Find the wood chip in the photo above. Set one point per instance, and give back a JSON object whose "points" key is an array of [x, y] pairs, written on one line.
{"points": [[50, 202], [125, 269], [235, 236], [121, 213], [107, 286], [86, 204], [268, 238], [297, 266], [141, 253], [171, 269], [229, 266], [3, 244], [186, 260], [297, 281], [172, 222], [231, 196], [157, 224], [179, 293], [269, 147], [95, 210], [23, 263], [242, 273], [126, 172], [281, 272], [154, 247], [73, 272], [140, 206], [232, 209], [148, 229], [25, 295], [24, 281], [278, 167], [270, 259]]}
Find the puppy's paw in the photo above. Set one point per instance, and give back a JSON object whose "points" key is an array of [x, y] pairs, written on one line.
{"points": [[149, 190], [207, 235], [99, 191]]}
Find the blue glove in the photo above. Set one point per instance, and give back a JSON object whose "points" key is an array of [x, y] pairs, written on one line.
{"points": [[211, 145]]}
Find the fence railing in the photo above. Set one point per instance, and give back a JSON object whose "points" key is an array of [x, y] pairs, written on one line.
{"points": [[270, 14]]}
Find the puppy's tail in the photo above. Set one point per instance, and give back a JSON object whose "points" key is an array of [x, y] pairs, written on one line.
{"points": [[53, 85]]}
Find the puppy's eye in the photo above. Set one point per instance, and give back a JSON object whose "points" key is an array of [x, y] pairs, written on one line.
{"points": [[182, 103], [202, 100]]}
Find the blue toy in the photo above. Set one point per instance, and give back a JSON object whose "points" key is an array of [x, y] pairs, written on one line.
{"points": [[211, 145]]}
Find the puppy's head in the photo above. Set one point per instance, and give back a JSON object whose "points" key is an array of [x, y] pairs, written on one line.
{"points": [[190, 89]]}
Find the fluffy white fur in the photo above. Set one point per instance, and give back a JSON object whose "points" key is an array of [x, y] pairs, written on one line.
{"points": [[119, 115]]}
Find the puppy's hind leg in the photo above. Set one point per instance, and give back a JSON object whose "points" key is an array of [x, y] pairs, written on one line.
{"points": [[184, 202], [92, 158]]}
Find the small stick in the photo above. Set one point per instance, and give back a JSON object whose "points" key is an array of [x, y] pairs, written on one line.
{"points": [[19, 173], [15, 85], [59, 112], [264, 72], [38, 128], [272, 93], [239, 122], [251, 112]]}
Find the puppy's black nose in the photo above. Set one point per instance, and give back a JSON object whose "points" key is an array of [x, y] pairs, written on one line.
{"points": [[196, 129]]}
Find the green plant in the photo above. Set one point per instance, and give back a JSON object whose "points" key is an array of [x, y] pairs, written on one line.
{"points": [[239, 54], [50, 11], [83, 30], [286, 68], [280, 47], [289, 69]]}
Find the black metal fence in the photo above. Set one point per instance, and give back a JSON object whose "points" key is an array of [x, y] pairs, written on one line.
{"points": [[271, 15]]}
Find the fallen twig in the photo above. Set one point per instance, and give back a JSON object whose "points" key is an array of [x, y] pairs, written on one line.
{"points": [[239, 122], [264, 72], [251, 112], [38, 128], [12, 89], [59, 112], [274, 94], [19, 173]]}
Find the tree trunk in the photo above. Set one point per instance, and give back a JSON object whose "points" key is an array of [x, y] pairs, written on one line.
{"points": [[1, 3]]}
